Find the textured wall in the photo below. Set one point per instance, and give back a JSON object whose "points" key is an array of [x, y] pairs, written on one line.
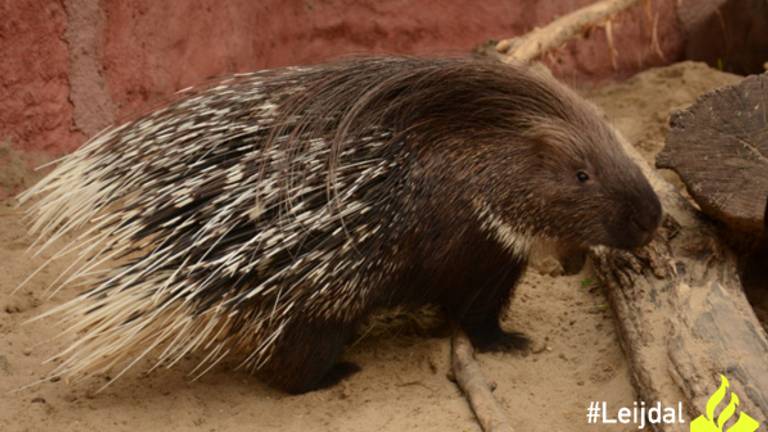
{"points": [[69, 68], [35, 111]]}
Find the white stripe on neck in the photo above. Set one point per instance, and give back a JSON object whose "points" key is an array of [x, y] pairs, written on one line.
{"points": [[516, 242]]}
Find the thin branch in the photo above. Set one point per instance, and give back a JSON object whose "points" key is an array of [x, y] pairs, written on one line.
{"points": [[470, 379], [538, 41]]}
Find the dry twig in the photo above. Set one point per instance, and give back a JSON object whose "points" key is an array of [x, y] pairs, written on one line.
{"points": [[470, 379], [531, 45]]}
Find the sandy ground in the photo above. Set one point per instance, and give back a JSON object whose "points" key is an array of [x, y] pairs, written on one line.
{"points": [[403, 386]]}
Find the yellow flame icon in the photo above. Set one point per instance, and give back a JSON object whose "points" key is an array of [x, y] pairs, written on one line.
{"points": [[708, 423]]}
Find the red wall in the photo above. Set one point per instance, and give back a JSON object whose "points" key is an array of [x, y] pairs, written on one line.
{"points": [[70, 68], [35, 111]]}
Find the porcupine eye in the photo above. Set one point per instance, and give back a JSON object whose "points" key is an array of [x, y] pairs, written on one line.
{"points": [[582, 176]]}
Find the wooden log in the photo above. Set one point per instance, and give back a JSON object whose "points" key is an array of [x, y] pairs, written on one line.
{"points": [[681, 313], [729, 34], [719, 148]]}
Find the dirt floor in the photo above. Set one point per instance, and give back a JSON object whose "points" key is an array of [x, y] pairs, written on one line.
{"points": [[575, 356]]}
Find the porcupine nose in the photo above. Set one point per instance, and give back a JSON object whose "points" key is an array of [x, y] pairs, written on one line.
{"points": [[647, 218]]}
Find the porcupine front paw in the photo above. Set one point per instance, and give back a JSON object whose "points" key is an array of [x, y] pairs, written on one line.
{"points": [[339, 372], [498, 340], [310, 378]]}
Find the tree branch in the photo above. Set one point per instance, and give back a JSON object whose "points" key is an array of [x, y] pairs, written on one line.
{"points": [[470, 379], [523, 49]]}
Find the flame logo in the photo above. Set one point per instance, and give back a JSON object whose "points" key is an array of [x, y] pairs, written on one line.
{"points": [[708, 423]]}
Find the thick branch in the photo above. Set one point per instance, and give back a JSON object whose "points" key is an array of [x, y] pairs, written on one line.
{"points": [[682, 315], [525, 48]]}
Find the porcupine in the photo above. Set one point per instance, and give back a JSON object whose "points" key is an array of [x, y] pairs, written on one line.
{"points": [[266, 215]]}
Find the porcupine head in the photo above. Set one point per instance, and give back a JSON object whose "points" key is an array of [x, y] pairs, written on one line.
{"points": [[268, 214]]}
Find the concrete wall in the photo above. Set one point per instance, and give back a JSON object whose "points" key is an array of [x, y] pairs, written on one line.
{"points": [[68, 68]]}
